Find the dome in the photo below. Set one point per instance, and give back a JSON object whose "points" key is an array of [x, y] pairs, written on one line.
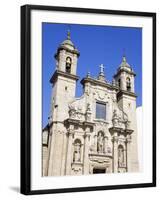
{"points": [[68, 43], [124, 65]]}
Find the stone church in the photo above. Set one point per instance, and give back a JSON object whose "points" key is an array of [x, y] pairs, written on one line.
{"points": [[94, 133]]}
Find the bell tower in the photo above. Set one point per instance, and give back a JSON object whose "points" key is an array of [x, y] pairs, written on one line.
{"points": [[124, 77], [67, 56], [64, 78], [126, 99], [63, 91]]}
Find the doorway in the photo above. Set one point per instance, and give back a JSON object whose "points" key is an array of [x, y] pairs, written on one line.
{"points": [[99, 170]]}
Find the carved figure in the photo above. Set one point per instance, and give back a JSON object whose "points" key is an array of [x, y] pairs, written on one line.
{"points": [[100, 142], [120, 156], [77, 152], [88, 112], [115, 119], [72, 111]]}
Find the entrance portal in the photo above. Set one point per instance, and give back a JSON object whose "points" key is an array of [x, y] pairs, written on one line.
{"points": [[99, 170]]}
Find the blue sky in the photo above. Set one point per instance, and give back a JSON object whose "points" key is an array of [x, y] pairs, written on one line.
{"points": [[97, 44]]}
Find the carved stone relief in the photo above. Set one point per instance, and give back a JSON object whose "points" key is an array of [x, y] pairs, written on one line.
{"points": [[75, 112], [119, 119]]}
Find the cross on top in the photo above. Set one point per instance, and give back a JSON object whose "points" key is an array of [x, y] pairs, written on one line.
{"points": [[68, 35], [101, 68], [69, 32]]}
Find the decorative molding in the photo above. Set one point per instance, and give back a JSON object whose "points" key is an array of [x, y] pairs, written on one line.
{"points": [[64, 74], [97, 82]]}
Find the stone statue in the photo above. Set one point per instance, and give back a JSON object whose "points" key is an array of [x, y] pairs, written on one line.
{"points": [[100, 142], [72, 111], [115, 118], [88, 107], [120, 157], [88, 112], [77, 153], [115, 114]]}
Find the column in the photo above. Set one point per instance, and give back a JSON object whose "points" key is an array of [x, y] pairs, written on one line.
{"points": [[69, 152], [105, 144], [95, 143], [128, 154], [51, 154], [86, 152], [125, 156], [64, 154], [115, 153]]}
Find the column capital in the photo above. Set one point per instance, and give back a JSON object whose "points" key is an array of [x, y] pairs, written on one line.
{"points": [[128, 139], [70, 132], [86, 135], [115, 139], [87, 129]]}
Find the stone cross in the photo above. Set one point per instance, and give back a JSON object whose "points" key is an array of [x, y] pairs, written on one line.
{"points": [[68, 34], [101, 68]]}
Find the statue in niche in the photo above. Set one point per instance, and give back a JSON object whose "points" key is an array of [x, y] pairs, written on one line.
{"points": [[120, 156], [88, 112], [115, 119], [88, 107], [77, 151], [100, 142], [72, 111], [115, 114]]}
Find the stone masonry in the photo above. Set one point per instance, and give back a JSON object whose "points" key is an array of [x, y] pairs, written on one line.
{"points": [[95, 133]]}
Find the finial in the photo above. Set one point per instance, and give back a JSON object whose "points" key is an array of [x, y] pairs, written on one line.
{"points": [[124, 59], [101, 68], [113, 82], [88, 74], [101, 75], [124, 55], [68, 35]]}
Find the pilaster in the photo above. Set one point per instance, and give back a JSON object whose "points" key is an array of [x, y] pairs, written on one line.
{"points": [[115, 152], [86, 151], [70, 134], [128, 154]]}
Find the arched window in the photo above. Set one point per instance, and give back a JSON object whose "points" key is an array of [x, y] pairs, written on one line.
{"points": [[100, 142], [77, 151], [128, 84], [120, 156], [68, 64]]}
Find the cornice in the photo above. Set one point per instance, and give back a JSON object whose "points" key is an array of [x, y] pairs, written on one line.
{"points": [[123, 70], [124, 92], [64, 74], [98, 82], [74, 51]]}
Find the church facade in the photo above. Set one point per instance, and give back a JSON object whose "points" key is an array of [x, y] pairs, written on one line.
{"points": [[95, 133]]}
